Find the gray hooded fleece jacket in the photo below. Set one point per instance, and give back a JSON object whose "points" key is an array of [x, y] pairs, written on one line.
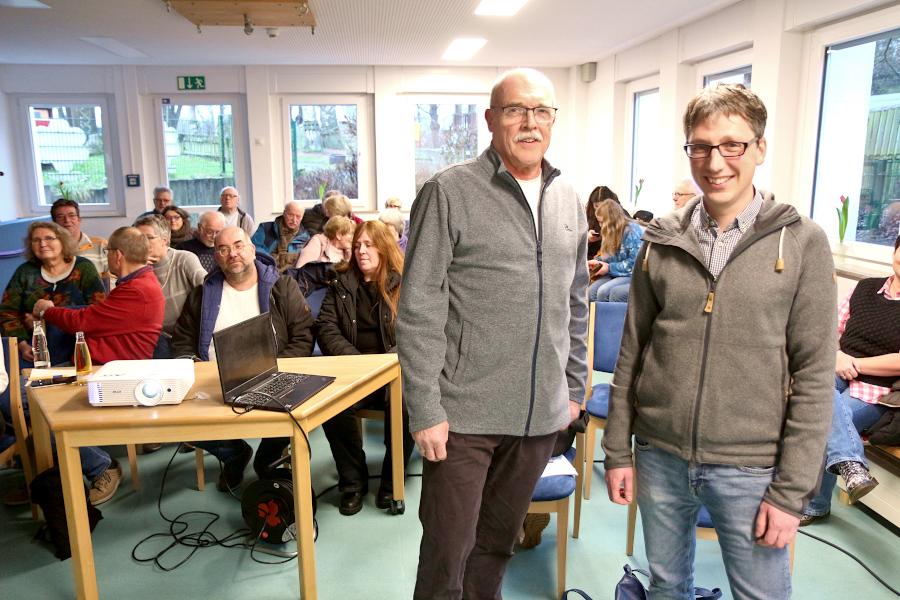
{"points": [[492, 322], [737, 370]]}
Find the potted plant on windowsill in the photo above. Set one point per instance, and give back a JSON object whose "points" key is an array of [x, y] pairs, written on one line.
{"points": [[842, 213]]}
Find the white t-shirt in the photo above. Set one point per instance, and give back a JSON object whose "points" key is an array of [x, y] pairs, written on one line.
{"points": [[532, 190], [231, 220], [236, 306]]}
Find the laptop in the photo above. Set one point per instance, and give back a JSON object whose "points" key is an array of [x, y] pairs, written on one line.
{"points": [[248, 370]]}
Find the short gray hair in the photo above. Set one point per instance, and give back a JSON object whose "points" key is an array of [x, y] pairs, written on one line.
{"points": [[209, 215], [532, 75], [161, 188], [392, 218], [158, 224]]}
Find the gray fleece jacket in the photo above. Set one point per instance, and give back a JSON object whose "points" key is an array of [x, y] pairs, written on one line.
{"points": [[493, 306], [737, 370]]}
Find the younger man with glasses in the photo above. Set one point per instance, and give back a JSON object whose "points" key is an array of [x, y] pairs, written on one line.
{"points": [[725, 371]]}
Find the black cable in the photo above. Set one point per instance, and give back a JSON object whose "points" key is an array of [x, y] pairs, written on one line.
{"points": [[851, 555]]}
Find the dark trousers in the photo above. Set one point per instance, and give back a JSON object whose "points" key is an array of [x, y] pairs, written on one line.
{"points": [[345, 439], [472, 507]]}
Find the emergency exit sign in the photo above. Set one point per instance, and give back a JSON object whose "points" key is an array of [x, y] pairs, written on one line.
{"points": [[191, 82]]}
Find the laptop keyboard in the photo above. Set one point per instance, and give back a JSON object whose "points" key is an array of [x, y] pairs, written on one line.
{"points": [[279, 385]]}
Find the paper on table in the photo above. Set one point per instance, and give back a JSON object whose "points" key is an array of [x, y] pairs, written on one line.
{"points": [[48, 373], [559, 465]]}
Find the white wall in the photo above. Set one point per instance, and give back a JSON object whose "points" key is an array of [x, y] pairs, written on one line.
{"points": [[9, 165]]}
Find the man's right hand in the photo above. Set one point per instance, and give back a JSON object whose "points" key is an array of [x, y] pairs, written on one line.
{"points": [[25, 351], [432, 442], [620, 484]]}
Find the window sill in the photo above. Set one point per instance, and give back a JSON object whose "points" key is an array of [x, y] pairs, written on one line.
{"points": [[856, 268]]}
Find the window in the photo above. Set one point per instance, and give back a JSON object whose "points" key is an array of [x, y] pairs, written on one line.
{"points": [[71, 142], [739, 75], [324, 149], [199, 150], [444, 134], [858, 154], [645, 150]]}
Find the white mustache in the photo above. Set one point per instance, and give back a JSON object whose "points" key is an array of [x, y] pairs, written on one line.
{"points": [[527, 136]]}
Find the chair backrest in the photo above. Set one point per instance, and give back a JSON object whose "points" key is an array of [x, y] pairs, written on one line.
{"points": [[315, 301], [12, 396], [608, 325]]}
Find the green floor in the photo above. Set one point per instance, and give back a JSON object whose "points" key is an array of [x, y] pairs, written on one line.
{"points": [[373, 556]]}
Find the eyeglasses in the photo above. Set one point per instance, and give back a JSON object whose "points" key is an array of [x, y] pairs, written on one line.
{"points": [[726, 149], [175, 217], [514, 114], [226, 250], [677, 195], [46, 239], [150, 238]]}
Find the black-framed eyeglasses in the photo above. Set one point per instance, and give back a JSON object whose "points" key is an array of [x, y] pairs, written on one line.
{"points": [[726, 149], [542, 114]]}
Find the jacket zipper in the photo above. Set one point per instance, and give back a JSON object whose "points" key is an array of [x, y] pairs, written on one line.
{"points": [[539, 231], [707, 310]]}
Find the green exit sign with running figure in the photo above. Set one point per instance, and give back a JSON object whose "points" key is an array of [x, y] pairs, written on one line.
{"points": [[191, 82]]}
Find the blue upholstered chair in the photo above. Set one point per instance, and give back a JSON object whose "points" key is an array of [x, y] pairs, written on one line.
{"points": [[609, 320], [315, 305]]}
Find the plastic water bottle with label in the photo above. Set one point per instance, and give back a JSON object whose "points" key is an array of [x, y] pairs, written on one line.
{"points": [[39, 346], [82, 358]]}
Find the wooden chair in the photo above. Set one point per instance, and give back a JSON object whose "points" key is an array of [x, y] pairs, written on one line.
{"points": [[17, 412]]}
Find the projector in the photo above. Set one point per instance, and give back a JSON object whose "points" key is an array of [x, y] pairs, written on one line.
{"points": [[141, 382]]}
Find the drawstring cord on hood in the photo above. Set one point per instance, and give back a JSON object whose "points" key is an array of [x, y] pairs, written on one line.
{"points": [[645, 264], [779, 262]]}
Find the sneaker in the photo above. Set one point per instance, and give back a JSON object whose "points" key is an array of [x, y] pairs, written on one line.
{"points": [[534, 524], [147, 448], [232, 473], [858, 479], [810, 519], [105, 485]]}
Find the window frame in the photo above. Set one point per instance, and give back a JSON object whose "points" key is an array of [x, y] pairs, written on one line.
{"points": [[113, 163], [633, 90], [723, 65], [365, 143], [815, 48], [239, 136]]}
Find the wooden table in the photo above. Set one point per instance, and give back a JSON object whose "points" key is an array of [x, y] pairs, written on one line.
{"points": [[75, 423]]}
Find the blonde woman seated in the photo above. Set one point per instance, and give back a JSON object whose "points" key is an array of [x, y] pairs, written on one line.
{"points": [[333, 245]]}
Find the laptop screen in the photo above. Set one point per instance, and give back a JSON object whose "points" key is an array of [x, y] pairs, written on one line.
{"points": [[245, 351]]}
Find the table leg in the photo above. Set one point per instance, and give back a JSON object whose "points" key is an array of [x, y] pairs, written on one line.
{"points": [[77, 519], [306, 561], [43, 451], [396, 418]]}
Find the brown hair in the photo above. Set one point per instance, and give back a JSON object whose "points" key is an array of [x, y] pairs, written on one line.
{"points": [[62, 203], [726, 99], [336, 226], [612, 226], [390, 259], [338, 205], [133, 244], [69, 246]]}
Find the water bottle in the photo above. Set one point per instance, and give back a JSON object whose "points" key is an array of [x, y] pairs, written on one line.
{"points": [[39, 346], [82, 358]]}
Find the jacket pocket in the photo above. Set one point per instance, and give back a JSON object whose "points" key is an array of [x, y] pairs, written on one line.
{"points": [[462, 349]]}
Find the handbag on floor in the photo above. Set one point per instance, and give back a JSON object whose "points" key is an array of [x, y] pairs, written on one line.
{"points": [[46, 492], [631, 588]]}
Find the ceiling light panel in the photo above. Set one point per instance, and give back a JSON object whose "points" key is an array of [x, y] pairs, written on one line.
{"points": [[499, 8], [463, 48]]}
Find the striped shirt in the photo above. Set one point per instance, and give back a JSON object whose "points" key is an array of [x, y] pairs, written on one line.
{"points": [[861, 390], [717, 245]]}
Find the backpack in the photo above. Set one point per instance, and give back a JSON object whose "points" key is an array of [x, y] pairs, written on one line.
{"points": [[46, 492]]}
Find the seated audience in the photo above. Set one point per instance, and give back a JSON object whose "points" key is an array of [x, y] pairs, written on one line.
{"points": [[393, 202], [67, 214], [613, 264], [357, 317], [204, 241], [283, 238], [125, 325], [334, 204], [179, 225], [332, 245], [866, 366], [230, 199], [393, 219], [162, 197], [684, 191], [178, 272], [51, 270], [599, 193], [243, 286]]}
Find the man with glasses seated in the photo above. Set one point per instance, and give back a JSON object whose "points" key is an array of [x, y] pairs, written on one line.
{"points": [[67, 215], [684, 191], [162, 197], [245, 285], [203, 244]]}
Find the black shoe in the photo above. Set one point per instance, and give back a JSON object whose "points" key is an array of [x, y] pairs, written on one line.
{"points": [[810, 519], [351, 503], [384, 498], [232, 473]]}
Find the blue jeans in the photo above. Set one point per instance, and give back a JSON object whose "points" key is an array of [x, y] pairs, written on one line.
{"points": [[671, 490], [94, 460], [849, 417], [610, 289]]}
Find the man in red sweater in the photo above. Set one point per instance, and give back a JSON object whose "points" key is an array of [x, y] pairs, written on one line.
{"points": [[127, 324]]}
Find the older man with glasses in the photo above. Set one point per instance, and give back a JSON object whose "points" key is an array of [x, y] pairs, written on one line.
{"points": [[245, 286], [204, 240], [67, 214]]}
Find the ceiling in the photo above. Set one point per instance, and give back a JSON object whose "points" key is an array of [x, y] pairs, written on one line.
{"points": [[545, 33]]}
